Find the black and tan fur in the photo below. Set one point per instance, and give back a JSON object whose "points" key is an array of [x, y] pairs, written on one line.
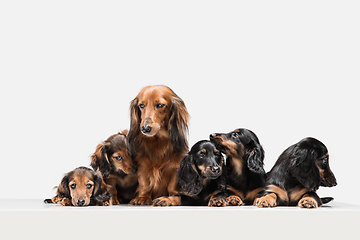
{"points": [[245, 175], [201, 179], [299, 171]]}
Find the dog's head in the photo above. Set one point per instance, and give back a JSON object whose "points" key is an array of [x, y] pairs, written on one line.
{"points": [[241, 144], [82, 185], [112, 155], [158, 111], [309, 163], [203, 161]]}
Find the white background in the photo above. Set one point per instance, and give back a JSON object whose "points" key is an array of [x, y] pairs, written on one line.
{"points": [[69, 70]]}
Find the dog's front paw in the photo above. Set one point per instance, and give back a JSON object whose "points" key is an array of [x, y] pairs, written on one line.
{"points": [[234, 200], [166, 201], [106, 203], [161, 202], [266, 201], [65, 202], [308, 202], [217, 202], [141, 201]]}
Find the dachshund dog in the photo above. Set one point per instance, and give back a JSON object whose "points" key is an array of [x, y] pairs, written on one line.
{"points": [[245, 175], [157, 141], [112, 159], [297, 174], [201, 179], [81, 187]]}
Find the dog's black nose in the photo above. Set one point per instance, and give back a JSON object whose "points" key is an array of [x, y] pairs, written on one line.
{"points": [[80, 202], [215, 169], [212, 135], [146, 129]]}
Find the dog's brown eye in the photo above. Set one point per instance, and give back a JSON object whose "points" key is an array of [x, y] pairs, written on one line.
{"points": [[159, 105], [88, 185], [141, 106], [118, 158], [73, 186], [202, 155]]}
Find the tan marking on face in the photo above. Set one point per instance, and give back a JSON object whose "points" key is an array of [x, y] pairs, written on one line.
{"points": [[81, 191], [215, 150], [202, 168], [231, 147], [203, 150]]}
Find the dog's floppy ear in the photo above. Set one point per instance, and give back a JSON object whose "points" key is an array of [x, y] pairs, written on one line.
{"points": [[135, 119], [63, 188], [302, 166], [100, 161], [188, 177], [101, 191], [255, 160], [178, 124]]}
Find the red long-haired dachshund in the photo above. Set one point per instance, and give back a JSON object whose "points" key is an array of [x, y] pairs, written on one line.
{"points": [[82, 187], [118, 170], [157, 141]]}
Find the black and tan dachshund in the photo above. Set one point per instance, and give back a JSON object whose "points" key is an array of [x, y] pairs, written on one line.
{"points": [[299, 171], [201, 179], [245, 175]]}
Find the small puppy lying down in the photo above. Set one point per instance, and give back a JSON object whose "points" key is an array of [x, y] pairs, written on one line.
{"points": [[81, 187]]}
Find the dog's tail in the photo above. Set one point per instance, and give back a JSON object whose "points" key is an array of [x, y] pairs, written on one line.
{"points": [[48, 200], [326, 200]]}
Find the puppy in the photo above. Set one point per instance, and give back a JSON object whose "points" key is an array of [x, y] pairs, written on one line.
{"points": [[118, 170], [297, 174], [245, 175], [200, 176], [81, 187], [157, 141]]}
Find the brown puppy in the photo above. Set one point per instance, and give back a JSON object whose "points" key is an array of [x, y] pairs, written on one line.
{"points": [[118, 170], [157, 141], [81, 187]]}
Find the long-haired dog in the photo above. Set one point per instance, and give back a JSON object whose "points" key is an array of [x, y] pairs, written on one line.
{"points": [[201, 179], [297, 174], [81, 187], [245, 175], [118, 170], [157, 141]]}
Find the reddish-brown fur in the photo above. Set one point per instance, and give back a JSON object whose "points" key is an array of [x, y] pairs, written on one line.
{"points": [[118, 170], [82, 187], [157, 141]]}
